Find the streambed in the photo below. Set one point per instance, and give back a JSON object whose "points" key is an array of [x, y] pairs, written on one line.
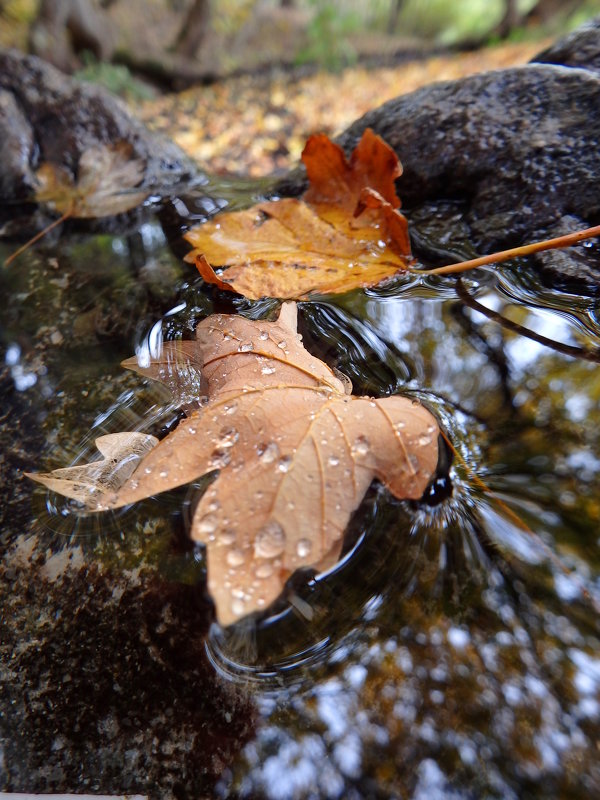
{"points": [[454, 650]]}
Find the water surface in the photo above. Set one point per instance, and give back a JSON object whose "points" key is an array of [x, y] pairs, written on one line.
{"points": [[454, 652]]}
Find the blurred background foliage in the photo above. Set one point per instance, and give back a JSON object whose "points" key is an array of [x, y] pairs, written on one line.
{"points": [[187, 41]]}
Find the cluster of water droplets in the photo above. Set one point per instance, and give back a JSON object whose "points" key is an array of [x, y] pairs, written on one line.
{"points": [[228, 436]]}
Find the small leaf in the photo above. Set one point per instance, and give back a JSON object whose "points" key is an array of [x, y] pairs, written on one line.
{"points": [[121, 455], [294, 452], [106, 184]]}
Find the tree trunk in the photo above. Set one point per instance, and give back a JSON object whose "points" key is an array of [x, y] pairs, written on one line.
{"points": [[395, 15], [544, 10], [510, 19], [64, 28], [194, 29]]}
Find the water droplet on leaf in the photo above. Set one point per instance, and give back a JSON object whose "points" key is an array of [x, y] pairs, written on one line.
{"points": [[227, 537], [235, 557], [303, 548], [270, 540], [229, 437], [238, 607], [208, 524], [268, 453], [361, 446], [219, 459], [264, 570], [284, 463]]}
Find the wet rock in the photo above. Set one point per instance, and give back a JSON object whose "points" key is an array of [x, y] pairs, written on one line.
{"points": [[514, 147], [47, 116], [574, 269], [580, 48], [16, 147], [18, 413], [105, 685], [512, 151]]}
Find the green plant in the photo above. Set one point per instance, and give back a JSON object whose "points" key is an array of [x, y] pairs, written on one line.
{"points": [[327, 37], [114, 77]]}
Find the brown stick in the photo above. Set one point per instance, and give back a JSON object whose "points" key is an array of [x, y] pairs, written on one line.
{"points": [[568, 240], [37, 237]]}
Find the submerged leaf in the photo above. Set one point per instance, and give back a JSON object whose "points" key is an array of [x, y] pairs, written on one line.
{"points": [[121, 454], [295, 455], [106, 183], [345, 233]]}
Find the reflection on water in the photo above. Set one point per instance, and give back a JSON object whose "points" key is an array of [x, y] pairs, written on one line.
{"points": [[454, 650]]}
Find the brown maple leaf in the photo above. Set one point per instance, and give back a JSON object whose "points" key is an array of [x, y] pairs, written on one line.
{"points": [[345, 233], [295, 454], [107, 184]]}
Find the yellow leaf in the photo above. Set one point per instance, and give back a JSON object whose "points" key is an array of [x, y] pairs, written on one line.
{"points": [[346, 232]]}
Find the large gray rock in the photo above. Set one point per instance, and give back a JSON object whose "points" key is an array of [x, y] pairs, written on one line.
{"points": [[513, 152], [580, 48], [518, 146], [47, 116]]}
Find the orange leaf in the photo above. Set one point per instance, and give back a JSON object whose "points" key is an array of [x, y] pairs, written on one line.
{"points": [[335, 181], [295, 455], [345, 233], [391, 225]]}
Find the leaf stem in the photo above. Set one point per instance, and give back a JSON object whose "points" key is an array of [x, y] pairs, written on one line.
{"points": [[568, 240], [37, 237]]}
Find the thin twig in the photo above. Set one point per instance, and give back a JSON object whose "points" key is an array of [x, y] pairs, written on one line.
{"points": [[568, 240], [37, 237]]}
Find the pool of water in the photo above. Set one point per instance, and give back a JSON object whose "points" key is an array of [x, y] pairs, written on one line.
{"points": [[453, 652]]}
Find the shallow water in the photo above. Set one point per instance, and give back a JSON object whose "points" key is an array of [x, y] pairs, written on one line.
{"points": [[454, 652]]}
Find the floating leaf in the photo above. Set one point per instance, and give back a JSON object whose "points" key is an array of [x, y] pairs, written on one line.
{"points": [[295, 454], [106, 183], [345, 233]]}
